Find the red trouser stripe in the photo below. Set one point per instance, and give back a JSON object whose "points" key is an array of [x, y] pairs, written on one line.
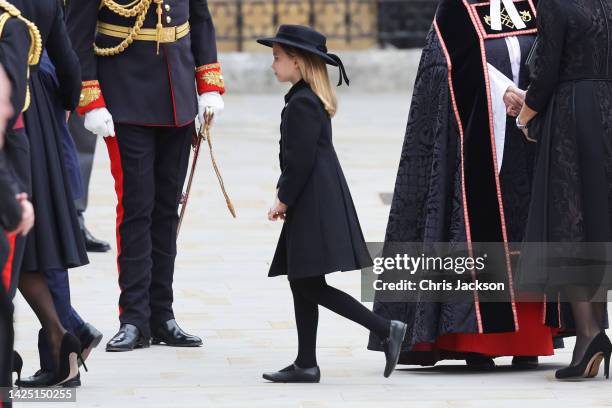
{"points": [[7, 272], [117, 172]]}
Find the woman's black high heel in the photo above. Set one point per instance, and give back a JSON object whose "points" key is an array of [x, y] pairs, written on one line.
{"points": [[70, 355], [599, 349], [17, 365]]}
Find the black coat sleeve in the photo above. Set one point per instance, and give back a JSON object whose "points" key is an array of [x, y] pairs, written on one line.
{"points": [[81, 19], [65, 61], [548, 50], [203, 42], [14, 46], [304, 120], [10, 209]]}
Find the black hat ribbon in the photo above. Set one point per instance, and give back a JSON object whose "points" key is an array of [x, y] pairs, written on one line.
{"points": [[342, 70]]}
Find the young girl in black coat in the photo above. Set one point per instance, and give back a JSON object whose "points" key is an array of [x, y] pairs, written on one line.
{"points": [[321, 233]]}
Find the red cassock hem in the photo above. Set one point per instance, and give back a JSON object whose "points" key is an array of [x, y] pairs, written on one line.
{"points": [[532, 339]]}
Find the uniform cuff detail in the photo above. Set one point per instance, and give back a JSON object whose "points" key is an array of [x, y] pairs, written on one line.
{"points": [[210, 79], [91, 97]]}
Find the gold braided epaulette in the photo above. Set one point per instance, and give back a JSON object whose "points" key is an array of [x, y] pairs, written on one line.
{"points": [[36, 45]]}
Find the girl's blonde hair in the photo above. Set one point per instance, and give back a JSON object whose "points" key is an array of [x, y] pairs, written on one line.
{"points": [[314, 73]]}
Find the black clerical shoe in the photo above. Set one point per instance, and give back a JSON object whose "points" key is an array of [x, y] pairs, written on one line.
{"points": [[89, 337], [478, 362], [295, 374], [525, 362], [171, 334], [392, 345], [92, 244], [44, 378], [127, 339]]}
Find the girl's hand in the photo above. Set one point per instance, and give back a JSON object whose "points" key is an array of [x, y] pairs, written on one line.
{"points": [[278, 211]]}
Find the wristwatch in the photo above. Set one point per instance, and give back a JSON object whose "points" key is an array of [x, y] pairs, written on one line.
{"points": [[520, 125]]}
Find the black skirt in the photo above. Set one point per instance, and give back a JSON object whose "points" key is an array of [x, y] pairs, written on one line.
{"points": [[569, 229], [56, 241]]}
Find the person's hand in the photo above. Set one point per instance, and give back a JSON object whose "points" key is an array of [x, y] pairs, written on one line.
{"points": [[6, 108], [209, 104], [27, 215], [278, 211], [514, 98], [100, 122]]}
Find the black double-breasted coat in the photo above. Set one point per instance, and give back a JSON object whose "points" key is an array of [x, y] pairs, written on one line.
{"points": [[321, 233]]}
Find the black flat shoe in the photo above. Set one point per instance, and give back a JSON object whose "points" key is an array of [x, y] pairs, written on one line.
{"points": [[599, 349], [89, 337], [478, 362], [525, 362], [92, 244], [171, 334], [39, 379], [127, 338], [392, 345], [295, 374], [45, 379]]}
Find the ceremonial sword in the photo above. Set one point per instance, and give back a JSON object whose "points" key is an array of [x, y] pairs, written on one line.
{"points": [[203, 134]]}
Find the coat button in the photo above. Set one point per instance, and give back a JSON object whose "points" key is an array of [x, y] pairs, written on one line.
{"points": [[168, 19], [167, 7]]}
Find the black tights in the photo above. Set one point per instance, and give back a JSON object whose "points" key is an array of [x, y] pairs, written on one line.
{"points": [[307, 295], [33, 286], [589, 317]]}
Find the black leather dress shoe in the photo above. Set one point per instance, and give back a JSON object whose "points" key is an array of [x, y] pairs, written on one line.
{"points": [[92, 244], [478, 362], [171, 334], [89, 337], [127, 339], [295, 374], [392, 345], [525, 362], [45, 379]]}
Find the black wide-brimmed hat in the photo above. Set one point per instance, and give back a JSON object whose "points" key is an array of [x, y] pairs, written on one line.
{"points": [[309, 40]]}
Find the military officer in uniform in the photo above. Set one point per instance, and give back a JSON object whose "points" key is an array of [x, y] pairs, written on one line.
{"points": [[149, 68]]}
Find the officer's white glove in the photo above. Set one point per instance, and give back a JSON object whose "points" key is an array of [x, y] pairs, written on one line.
{"points": [[211, 100], [100, 122]]}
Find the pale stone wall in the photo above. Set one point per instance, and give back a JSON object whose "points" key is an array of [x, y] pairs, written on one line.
{"points": [[370, 71], [330, 19]]}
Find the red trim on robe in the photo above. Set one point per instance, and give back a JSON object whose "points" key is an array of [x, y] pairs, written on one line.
{"points": [[466, 215]]}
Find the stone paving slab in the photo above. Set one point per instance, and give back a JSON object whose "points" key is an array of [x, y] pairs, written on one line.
{"points": [[223, 294]]}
